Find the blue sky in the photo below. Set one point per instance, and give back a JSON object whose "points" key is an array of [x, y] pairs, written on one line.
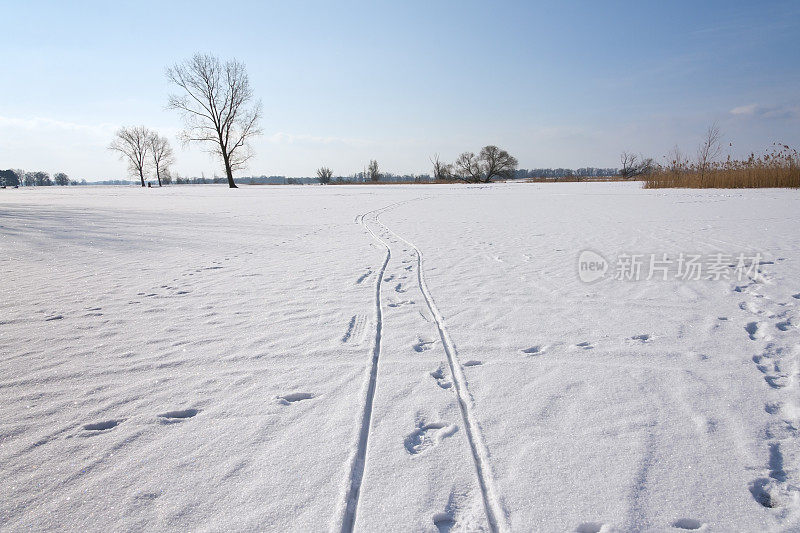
{"points": [[556, 83]]}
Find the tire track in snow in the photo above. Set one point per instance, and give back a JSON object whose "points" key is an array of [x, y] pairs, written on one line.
{"points": [[495, 513], [358, 460]]}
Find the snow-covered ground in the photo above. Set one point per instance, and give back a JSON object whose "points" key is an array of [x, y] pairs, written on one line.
{"points": [[397, 358]]}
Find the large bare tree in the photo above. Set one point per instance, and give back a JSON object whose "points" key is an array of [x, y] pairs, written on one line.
{"points": [[133, 145], [491, 162], [218, 108], [161, 155]]}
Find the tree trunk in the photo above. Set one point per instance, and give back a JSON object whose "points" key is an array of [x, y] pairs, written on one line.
{"points": [[141, 177], [158, 176], [228, 171]]}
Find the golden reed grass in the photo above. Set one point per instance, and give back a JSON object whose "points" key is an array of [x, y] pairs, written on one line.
{"points": [[779, 168]]}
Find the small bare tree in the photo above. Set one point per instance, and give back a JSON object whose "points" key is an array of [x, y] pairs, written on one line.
{"points": [[441, 170], [161, 155], [635, 165], [373, 172], [710, 148], [218, 108], [324, 174], [133, 144], [491, 162]]}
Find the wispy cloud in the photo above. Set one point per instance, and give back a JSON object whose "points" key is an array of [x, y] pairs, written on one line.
{"points": [[782, 111]]}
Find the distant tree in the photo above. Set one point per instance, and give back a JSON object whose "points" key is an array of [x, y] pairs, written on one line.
{"points": [[218, 108], [161, 154], [30, 179], [324, 174], [61, 178], [634, 166], [373, 172], [491, 162], [8, 178], [133, 144], [166, 177], [709, 149], [42, 179], [441, 171]]}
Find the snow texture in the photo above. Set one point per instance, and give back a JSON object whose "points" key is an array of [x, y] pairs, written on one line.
{"points": [[395, 358]]}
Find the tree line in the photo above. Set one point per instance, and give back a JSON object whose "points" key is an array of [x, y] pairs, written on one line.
{"points": [[20, 178]]}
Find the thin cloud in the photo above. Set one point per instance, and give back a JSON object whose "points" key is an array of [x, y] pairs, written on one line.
{"points": [[763, 111]]}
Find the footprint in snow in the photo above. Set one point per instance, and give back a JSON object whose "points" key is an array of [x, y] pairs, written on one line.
{"points": [[473, 362], [438, 375], [592, 527], [54, 317], [292, 397], [423, 345], [586, 345], [755, 330], [102, 426], [427, 436], [643, 338], [178, 415], [444, 522], [689, 524], [535, 350]]}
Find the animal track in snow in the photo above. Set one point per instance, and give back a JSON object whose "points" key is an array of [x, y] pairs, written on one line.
{"points": [[755, 330], [292, 397], [591, 527], [796, 296], [438, 375], [399, 288], [586, 345], [54, 317], [427, 435], [535, 350], [423, 345], [364, 276], [687, 523], [473, 362], [401, 303], [444, 522], [178, 415], [101, 426], [643, 338], [762, 490]]}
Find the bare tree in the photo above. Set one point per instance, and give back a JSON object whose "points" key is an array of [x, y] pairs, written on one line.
{"points": [[710, 148], [161, 154], [218, 108], [30, 179], [61, 179], [373, 171], [441, 171], [324, 174], [491, 162], [635, 165], [133, 144]]}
